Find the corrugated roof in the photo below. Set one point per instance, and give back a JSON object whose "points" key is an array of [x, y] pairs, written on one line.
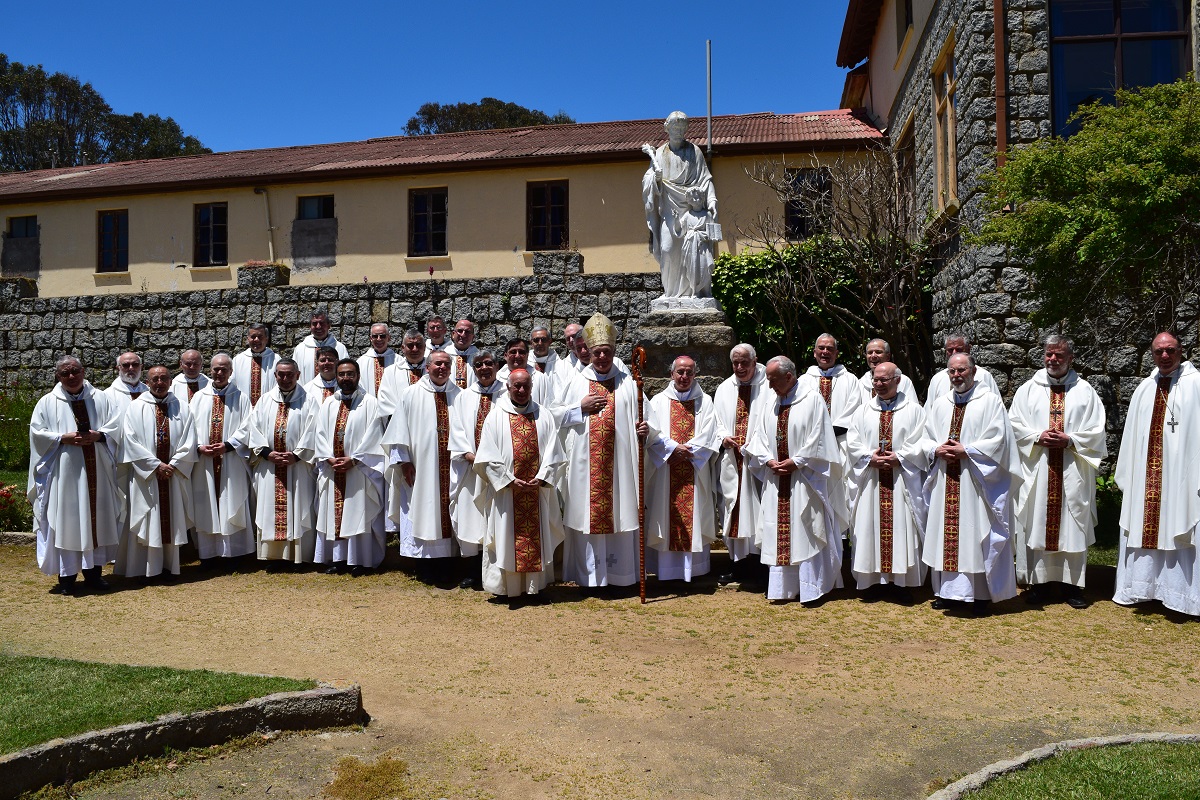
{"points": [[857, 31], [549, 144]]}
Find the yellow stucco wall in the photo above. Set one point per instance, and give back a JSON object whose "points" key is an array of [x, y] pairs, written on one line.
{"points": [[485, 227]]}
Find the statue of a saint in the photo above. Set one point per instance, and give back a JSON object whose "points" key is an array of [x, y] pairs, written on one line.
{"points": [[681, 213]]}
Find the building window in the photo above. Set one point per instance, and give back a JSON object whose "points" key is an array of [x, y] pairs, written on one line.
{"points": [[809, 202], [427, 222], [112, 251], [316, 207], [211, 235], [904, 21], [22, 227], [1099, 45], [546, 216], [945, 103]]}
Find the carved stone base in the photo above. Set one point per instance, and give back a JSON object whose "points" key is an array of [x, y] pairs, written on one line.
{"points": [[699, 332], [665, 303]]}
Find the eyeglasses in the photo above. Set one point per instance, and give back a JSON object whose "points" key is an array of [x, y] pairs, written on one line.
{"points": [[487, 362], [541, 338]]}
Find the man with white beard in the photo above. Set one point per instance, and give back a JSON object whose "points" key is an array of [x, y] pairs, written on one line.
{"points": [[735, 402], [794, 453], [254, 367], [940, 383], [190, 379], [72, 484], [888, 460], [968, 539], [127, 386], [680, 513], [159, 444], [373, 364], [305, 353], [222, 525]]}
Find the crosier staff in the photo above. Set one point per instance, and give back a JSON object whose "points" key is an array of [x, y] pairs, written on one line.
{"points": [[636, 363]]}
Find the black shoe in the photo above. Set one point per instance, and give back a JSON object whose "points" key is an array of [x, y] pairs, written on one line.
{"points": [[820, 601], [65, 587], [332, 569], [1033, 596], [981, 608], [94, 580], [939, 604], [726, 579], [469, 583], [359, 570]]}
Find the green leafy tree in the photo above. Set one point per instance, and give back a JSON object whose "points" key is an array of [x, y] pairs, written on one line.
{"points": [[488, 114], [1108, 221], [135, 136]]}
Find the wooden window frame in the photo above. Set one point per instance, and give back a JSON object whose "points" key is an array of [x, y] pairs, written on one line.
{"points": [[945, 129], [218, 234], [431, 226], [118, 255], [538, 217], [326, 208]]}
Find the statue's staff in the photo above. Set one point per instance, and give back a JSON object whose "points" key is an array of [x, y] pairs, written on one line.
{"points": [[636, 363]]}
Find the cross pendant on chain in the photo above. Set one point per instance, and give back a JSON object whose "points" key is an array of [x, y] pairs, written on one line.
{"points": [[1172, 424]]}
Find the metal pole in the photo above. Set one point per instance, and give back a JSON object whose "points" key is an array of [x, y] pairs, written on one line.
{"points": [[708, 57]]}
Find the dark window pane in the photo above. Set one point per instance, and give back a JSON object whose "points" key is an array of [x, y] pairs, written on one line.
{"points": [[439, 203], [220, 253], [203, 215], [220, 214], [1083, 73], [22, 227], [315, 207], [1081, 17], [1146, 16], [1146, 63], [420, 203], [439, 241]]}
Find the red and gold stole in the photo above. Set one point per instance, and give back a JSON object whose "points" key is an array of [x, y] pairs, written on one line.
{"points": [[1055, 461], [279, 445], [741, 421], [216, 435], [527, 523], [683, 477], [193, 387], [540, 366], [339, 478], [1154, 466], [379, 368], [443, 455], [327, 391], [414, 374], [783, 533], [950, 514], [485, 405], [162, 451], [602, 457], [887, 481], [83, 424], [255, 378], [827, 393], [460, 372]]}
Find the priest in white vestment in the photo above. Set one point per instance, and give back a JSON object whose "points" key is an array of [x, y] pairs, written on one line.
{"points": [[1058, 422], [462, 350], [403, 373], [681, 521], [72, 485], [221, 517], [968, 538], [1158, 471], [190, 379], [373, 364], [842, 395], [435, 330], [324, 385], [468, 514], [516, 356], [305, 353], [254, 367], [417, 441], [599, 409], [793, 451], [128, 385], [736, 401], [159, 445], [888, 460], [878, 351], [940, 383], [285, 487], [347, 447], [521, 464]]}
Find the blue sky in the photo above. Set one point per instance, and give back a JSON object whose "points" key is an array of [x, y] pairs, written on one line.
{"points": [[241, 75]]}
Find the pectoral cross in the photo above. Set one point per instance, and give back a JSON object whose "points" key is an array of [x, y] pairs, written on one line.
{"points": [[1172, 424]]}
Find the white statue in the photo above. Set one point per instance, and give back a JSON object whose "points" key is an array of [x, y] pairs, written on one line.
{"points": [[681, 213]]}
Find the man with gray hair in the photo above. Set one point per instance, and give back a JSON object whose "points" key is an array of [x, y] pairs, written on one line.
{"points": [[735, 402], [128, 385], [254, 367], [878, 352], [403, 372], [793, 451], [305, 353], [940, 384], [73, 479], [190, 379], [374, 363]]}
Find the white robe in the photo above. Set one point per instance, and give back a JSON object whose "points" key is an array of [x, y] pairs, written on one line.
{"points": [[1166, 573], [320, 389], [705, 443], [494, 464], [412, 438], [545, 389], [466, 515], [298, 542], [242, 368], [369, 369], [430, 347], [940, 384], [815, 564], [179, 387], [58, 484], [985, 554], [222, 522], [464, 377], [739, 490], [908, 498], [145, 552], [305, 354], [121, 395], [1083, 421], [906, 387], [845, 398], [608, 559], [396, 380], [360, 539]]}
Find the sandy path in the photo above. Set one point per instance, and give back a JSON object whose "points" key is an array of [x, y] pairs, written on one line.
{"points": [[716, 695]]}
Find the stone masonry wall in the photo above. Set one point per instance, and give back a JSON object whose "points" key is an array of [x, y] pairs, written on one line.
{"points": [[36, 331]]}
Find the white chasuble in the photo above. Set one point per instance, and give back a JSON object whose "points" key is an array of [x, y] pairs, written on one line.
{"points": [[254, 374], [940, 384], [396, 380], [221, 512], [739, 490], [466, 425], [285, 495], [372, 366], [305, 354], [842, 395], [185, 389], [906, 388]]}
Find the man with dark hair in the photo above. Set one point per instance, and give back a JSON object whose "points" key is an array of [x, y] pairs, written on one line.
{"points": [[254, 367], [325, 383], [319, 336]]}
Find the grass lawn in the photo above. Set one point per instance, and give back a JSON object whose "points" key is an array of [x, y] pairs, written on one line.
{"points": [[1152, 770], [48, 698]]}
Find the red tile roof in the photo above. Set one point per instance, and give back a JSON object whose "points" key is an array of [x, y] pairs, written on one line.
{"points": [[545, 145]]}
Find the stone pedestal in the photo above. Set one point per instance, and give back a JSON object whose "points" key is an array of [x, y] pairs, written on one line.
{"points": [[701, 334]]}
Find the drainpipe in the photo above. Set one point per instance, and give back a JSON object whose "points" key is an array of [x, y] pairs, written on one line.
{"points": [[270, 230], [1001, 81]]}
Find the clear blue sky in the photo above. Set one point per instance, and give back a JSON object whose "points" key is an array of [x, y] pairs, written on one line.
{"points": [[250, 74]]}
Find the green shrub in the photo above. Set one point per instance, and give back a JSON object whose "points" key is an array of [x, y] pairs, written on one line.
{"points": [[16, 408]]}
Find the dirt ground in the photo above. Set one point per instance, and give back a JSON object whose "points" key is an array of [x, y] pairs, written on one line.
{"points": [[717, 694]]}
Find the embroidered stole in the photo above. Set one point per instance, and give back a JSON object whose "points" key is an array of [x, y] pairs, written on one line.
{"points": [[683, 478], [339, 478], [460, 372], [783, 518], [279, 445], [602, 457], [443, 456], [741, 421], [827, 393], [540, 366], [379, 368], [255, 378], [485, 405], [193, 387], [887, 482], [950, 513], [162, 451], [527, 523], [216, 435], [414, 374], [84, 425], [327, 391], [1055, 462], [1154, 467]]}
